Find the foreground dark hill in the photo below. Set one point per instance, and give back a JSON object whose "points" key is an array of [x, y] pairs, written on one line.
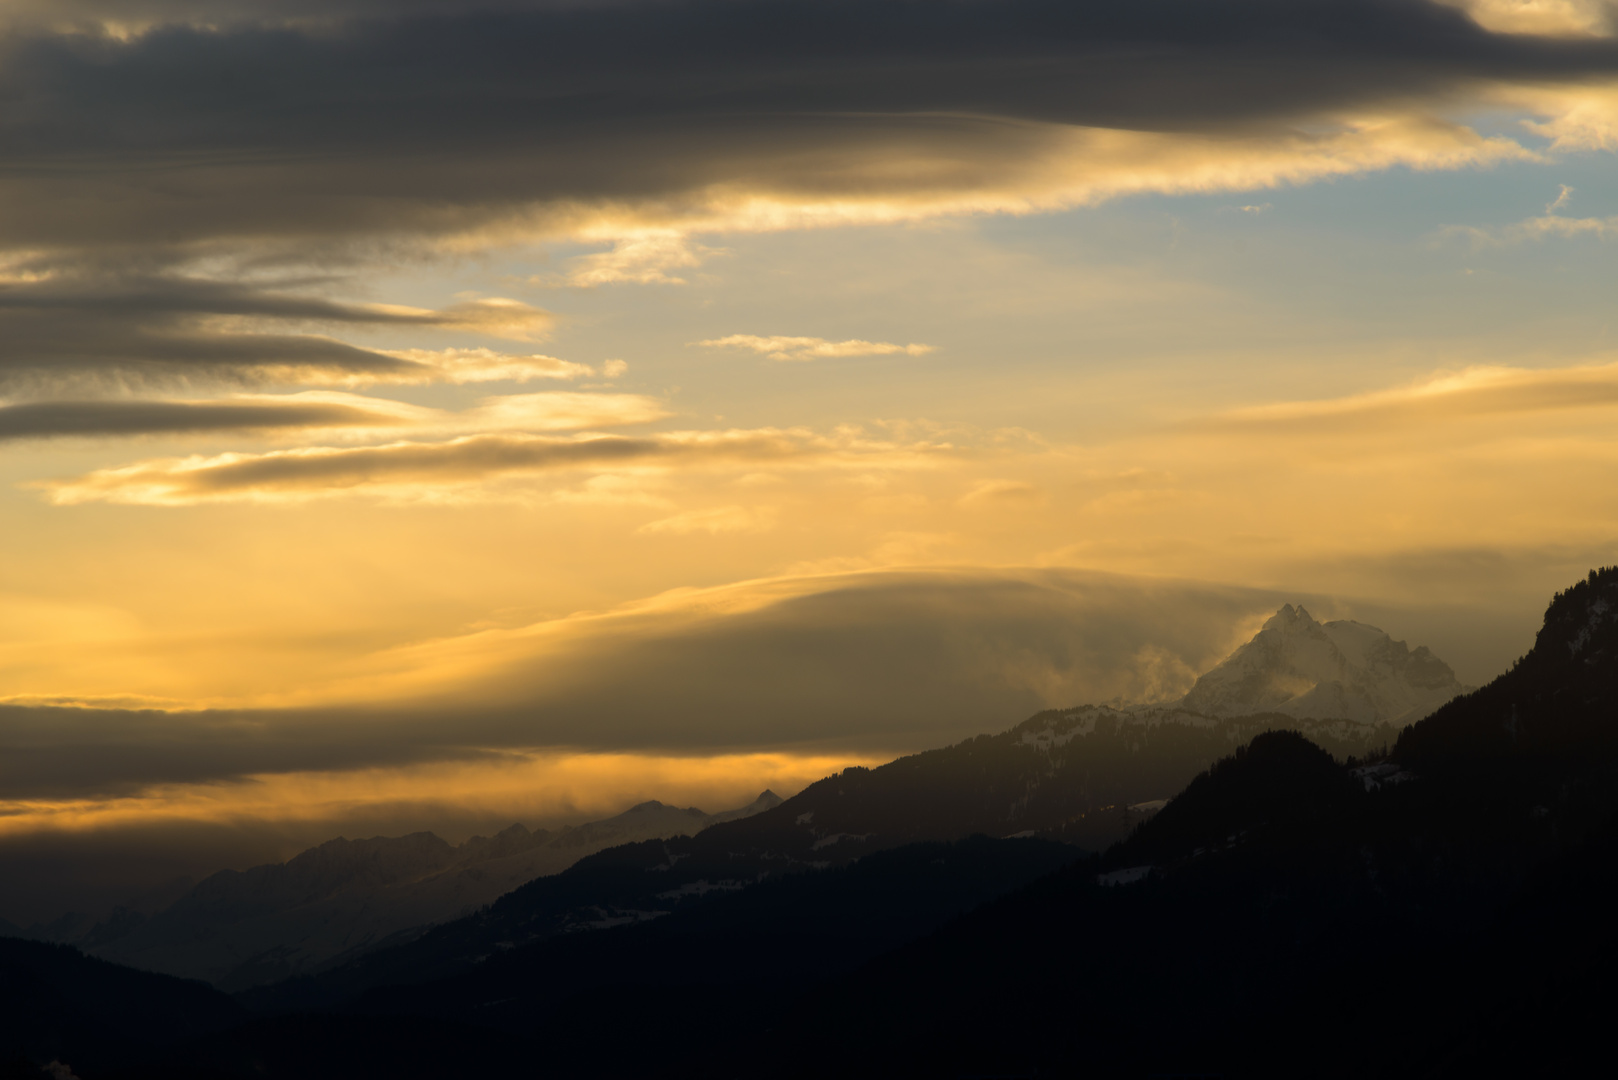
{"points": [[57, 1004], [631, 1000]]}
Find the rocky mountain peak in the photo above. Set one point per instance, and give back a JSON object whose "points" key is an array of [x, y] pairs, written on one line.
{"points": [[1342, 669]]}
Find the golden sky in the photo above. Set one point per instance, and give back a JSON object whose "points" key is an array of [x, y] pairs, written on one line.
{"points": [[512, 411]]}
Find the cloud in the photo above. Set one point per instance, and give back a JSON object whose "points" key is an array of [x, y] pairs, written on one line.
{"points": [[310, 410], [1552, 17], [577, 120], [884, 659], [406, 467], [1541, 228], [467, 366], [643, 259], [1474, 393], [716, 520], [353, 415], [812, 348], [555, 411], [68, 322], [1001, 493]]}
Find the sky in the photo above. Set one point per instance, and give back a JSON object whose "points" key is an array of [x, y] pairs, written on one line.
{"points": [[429, 414]]}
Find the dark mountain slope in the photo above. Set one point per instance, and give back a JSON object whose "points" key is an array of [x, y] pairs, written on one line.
{"points": [[639, 1000], [1071, 775], [1280, 784], [98, 1018], [1556, 703]]}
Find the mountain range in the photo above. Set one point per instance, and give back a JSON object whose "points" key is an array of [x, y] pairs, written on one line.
{"points": [[1107, 890], [1084, 776]]}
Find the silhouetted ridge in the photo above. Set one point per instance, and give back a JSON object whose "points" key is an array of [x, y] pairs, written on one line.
{"points": [[1557, 701], [1278, 782]]}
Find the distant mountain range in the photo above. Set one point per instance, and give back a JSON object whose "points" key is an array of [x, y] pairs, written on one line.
{"points": [[238, 929]]}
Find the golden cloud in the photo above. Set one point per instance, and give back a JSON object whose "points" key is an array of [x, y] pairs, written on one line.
{"points": [[404, 467], [715, 520], [1472, 393], [812, 348], [536, 785], [467, 366]]}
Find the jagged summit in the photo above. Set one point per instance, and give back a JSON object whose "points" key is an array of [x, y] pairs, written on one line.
{"points": [[1318, 671]]}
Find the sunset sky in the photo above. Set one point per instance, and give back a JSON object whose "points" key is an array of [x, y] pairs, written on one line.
{"points": [[427, 413]]}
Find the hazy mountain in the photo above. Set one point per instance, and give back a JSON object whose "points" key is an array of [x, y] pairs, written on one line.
{"points": [[242, 928], [1339, 670]]}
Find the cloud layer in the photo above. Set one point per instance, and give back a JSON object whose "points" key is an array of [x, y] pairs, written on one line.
{"points": [[879, 660], [443, 121], [315, 471]]}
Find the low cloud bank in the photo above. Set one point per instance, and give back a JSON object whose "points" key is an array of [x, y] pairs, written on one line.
{"points": [[886, 661]]}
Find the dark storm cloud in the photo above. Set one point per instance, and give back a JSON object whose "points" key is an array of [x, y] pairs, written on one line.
{"points": [[432, 122], [50, 419], [75, 321]]}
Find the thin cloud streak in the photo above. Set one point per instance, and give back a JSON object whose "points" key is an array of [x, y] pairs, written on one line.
{"points": [[87, 419], [311, 411], [62, 324], [322, 471], [1473, 393], [785, 348]]}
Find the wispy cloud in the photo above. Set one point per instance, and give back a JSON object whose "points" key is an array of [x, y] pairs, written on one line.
{"points": [[420, 467], [70, 322], [463, 366], [1548, 225], [645, 258], [310, 410], [313, 411], [715, 520], [811, 348], [991, 493], [1474, 392]]}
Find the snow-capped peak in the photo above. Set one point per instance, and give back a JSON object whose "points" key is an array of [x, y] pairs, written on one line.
{"points": [[1337, 670]]}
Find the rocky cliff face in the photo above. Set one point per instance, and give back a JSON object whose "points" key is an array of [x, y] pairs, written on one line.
{"points": [[1340, 670]]}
